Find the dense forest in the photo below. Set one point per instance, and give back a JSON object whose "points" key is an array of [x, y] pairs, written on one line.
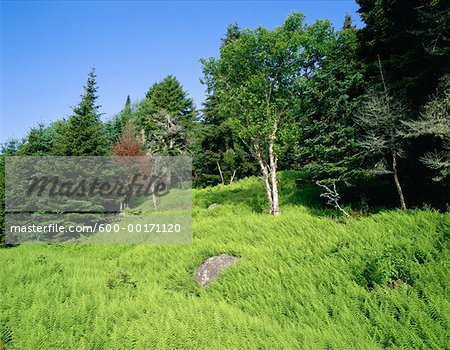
{"points": [[362, 113]]}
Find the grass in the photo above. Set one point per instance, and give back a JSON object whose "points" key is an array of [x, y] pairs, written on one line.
{"points": [[304, 281]]}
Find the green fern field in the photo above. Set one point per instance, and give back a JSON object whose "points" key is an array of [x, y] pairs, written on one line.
{"points": [[305, 280]]}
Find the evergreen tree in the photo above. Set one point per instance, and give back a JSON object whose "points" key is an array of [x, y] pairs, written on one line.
{"points": [[84, 134], [126, 114], [218, 153], [403, 34], [433, 29], [167, 95], [233, 33], [117, 125], [167, 137], [216, 147], [39, 141], [326, 147], [348, 22], [410, 38], [435, 122]]}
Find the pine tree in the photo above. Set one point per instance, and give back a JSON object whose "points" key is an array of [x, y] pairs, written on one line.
{"points": [[84, 134]]}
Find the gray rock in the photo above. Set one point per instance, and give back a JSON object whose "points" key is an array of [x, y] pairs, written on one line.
{"points": [[212, 206], [213, 267]]}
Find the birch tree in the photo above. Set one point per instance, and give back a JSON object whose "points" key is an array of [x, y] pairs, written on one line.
{"points": [[254, 80]]}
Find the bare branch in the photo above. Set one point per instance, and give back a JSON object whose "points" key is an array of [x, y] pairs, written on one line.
{"points": [[332, 196]]}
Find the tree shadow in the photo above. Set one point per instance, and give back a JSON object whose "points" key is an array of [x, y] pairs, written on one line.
{"points": [[250, 193], [296, 188]]}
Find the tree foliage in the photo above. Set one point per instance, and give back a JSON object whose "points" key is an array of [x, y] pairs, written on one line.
{"points": [[39, 141], [84, 134], [300, 96], [254, 81], [167, 95], [117, 125], [129, 144], [166, 118], [435, 121], [326, 145], [410, 38]]}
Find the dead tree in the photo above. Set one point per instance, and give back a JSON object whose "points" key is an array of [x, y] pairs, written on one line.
{"points": [[332, 196]]}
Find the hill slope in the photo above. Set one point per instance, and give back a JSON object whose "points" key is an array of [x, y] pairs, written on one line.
{"points": [[303, 280]]}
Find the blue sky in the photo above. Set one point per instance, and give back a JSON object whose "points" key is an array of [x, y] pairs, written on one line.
{"points": [[47, 49]]}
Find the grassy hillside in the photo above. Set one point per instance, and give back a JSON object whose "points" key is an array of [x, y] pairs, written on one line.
{"points": [[304, 281]]}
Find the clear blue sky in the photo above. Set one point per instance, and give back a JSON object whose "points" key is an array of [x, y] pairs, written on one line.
{"points": [[47, 49]]}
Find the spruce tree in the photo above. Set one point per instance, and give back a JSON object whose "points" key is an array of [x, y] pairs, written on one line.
{"points": [[167, 95], [84, 134], [39, 141], [410, 39], [126, 114], [216, 147], [117, 125], [167, 138], [327, 141], [348, 22]]}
